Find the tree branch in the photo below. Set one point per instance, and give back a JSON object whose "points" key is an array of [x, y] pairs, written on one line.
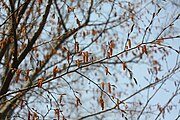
{"points": [[61, 18], [36, 35], [89, 12], [15, 65], [13, 20]]}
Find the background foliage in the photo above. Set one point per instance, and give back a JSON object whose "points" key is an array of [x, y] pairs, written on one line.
{"points": [[89, 59]]}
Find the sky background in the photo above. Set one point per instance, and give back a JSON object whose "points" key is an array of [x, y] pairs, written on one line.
{"points": [[169, 10]]}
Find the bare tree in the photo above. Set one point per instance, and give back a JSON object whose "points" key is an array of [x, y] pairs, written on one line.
{"points": [[80, 59]]}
